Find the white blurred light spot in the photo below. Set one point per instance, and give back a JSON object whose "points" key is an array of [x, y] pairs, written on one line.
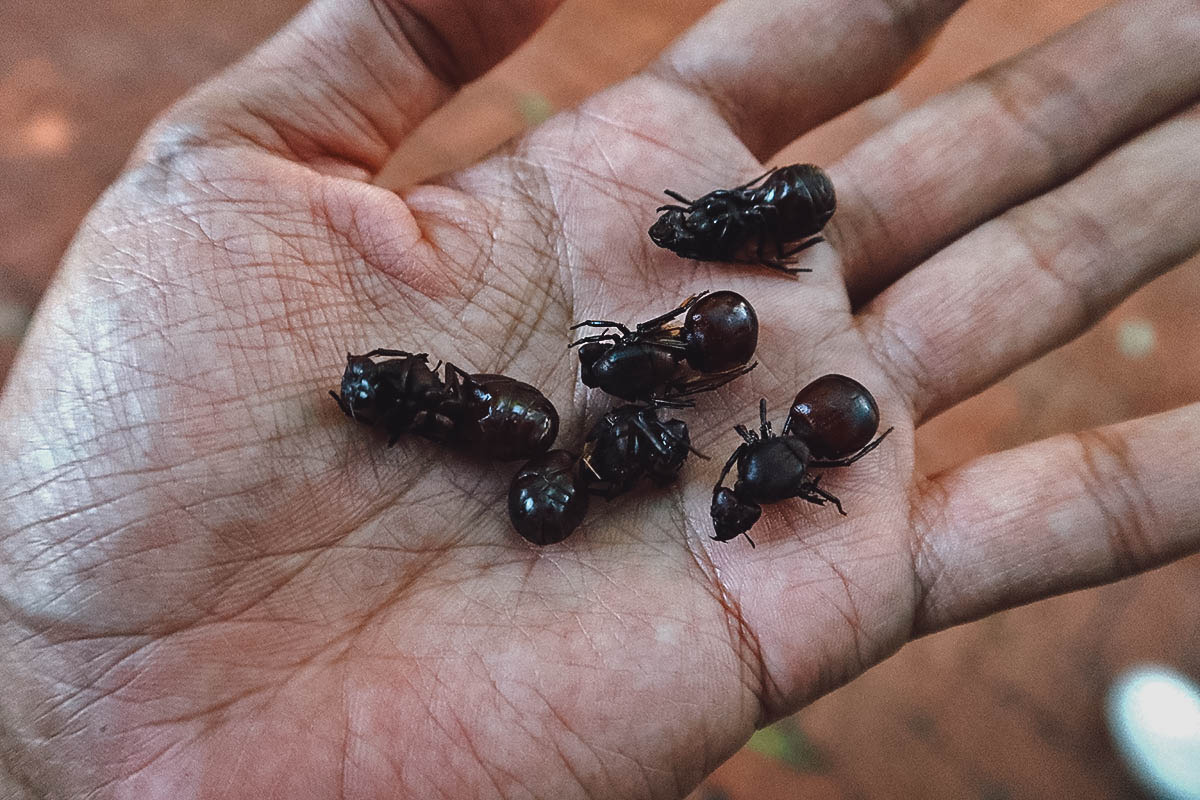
{"points": [[1154, 716], [1136, 338], [667, 633]]}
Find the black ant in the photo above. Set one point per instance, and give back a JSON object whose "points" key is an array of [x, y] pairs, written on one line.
{"points": [[790, 204], [499, 416], [718, 336], [548, 497], [831, 424], [631, 442]]}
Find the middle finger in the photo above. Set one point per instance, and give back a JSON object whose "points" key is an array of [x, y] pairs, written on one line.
{"points": [[773, 70], [1040, 274], [1017, 129]]}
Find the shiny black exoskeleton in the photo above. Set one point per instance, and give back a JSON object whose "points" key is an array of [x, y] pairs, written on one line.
{"points": [[498, 416], [831, 424], [548, 498], [835, 416], [782, 211], [630, 443], [658, 361]]}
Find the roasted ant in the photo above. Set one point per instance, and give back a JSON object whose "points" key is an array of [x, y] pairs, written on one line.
{"points": [[834, 415], [499, 416], [631, 442], [788, 205], [399, 395], [548, 497], [718, 336], [831, 424]]}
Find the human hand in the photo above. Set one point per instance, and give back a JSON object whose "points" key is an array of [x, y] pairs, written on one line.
{"points": [[214, 585]]}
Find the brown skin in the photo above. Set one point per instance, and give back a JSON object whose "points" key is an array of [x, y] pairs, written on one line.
{"points": [[214, 586]]}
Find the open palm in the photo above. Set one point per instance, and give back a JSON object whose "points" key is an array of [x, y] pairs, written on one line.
{"points": [[215, 585]]}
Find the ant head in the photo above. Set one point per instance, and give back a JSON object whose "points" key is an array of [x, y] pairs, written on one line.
{"points": [[731, 517], [589, 354], [669, 230], [359, 383]]}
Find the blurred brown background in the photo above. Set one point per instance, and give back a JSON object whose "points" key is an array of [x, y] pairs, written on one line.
{"points": [[1009, 707]]}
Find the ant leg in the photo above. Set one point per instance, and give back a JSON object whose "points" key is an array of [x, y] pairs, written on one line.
{"points": [[658, 321], [763, 225], [815, 494], [455, 379], [760, 254], [603, 337], [762, 416], [807, 243], [706, 383], [769, 226], [383, 351], [680, 198], [754, 215], [775, 265], [728, 466], [600, 323], [760, 234], [611, 489], [684, 209], [748, 184], [784, 256], [750, 436], [671, 402], [700, 385], [452, 369], [652, 438], [845, 462], [764, 230]]}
